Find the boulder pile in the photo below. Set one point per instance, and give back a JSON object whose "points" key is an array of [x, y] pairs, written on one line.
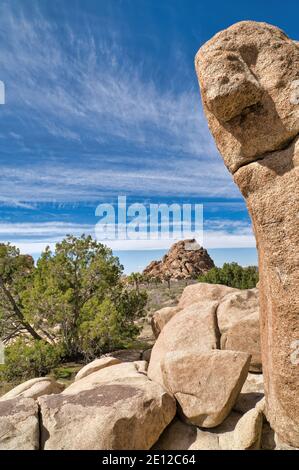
{"points": [[195, 392], [185, 260]]}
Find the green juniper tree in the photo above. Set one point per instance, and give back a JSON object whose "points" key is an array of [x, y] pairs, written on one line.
{"points": [[74, 300]]}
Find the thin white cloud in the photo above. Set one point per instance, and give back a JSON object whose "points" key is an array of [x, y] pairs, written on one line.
{"points": [[89, 89], [32, 238], [213, 240], [44, 229], [66, 183], [85, 91]]}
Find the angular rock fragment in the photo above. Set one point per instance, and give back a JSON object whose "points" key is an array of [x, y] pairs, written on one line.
{"points": [[205, 384]]}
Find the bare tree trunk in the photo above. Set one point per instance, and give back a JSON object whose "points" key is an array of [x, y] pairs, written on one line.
{"points": [[18, 312]]}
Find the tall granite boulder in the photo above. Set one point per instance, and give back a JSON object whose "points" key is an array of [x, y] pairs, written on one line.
{"points": [[249, 81]]}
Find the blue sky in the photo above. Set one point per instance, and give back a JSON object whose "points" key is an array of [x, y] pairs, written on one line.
{"points": [[102, 100]]}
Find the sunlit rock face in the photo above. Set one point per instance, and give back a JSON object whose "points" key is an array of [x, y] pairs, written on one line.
{"points": [[249, 82]]}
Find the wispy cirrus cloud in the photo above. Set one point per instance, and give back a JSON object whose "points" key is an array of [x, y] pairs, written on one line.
{"points": [[91, 115], [83, 119]]}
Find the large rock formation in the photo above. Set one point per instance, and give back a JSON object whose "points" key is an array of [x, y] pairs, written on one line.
{"points": [[186, 359], [114, 405], [249, 80], [185, 260], [234, 320]]}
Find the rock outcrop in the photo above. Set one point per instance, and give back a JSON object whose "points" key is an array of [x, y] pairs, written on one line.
{"points": [[233, 324], [115, 408], [115, 405], [248, 75], [185, 260]]}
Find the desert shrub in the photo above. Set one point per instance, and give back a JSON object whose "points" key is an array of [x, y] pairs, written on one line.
{"points": [[232, 275], [64, 372], [25, 360]]}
